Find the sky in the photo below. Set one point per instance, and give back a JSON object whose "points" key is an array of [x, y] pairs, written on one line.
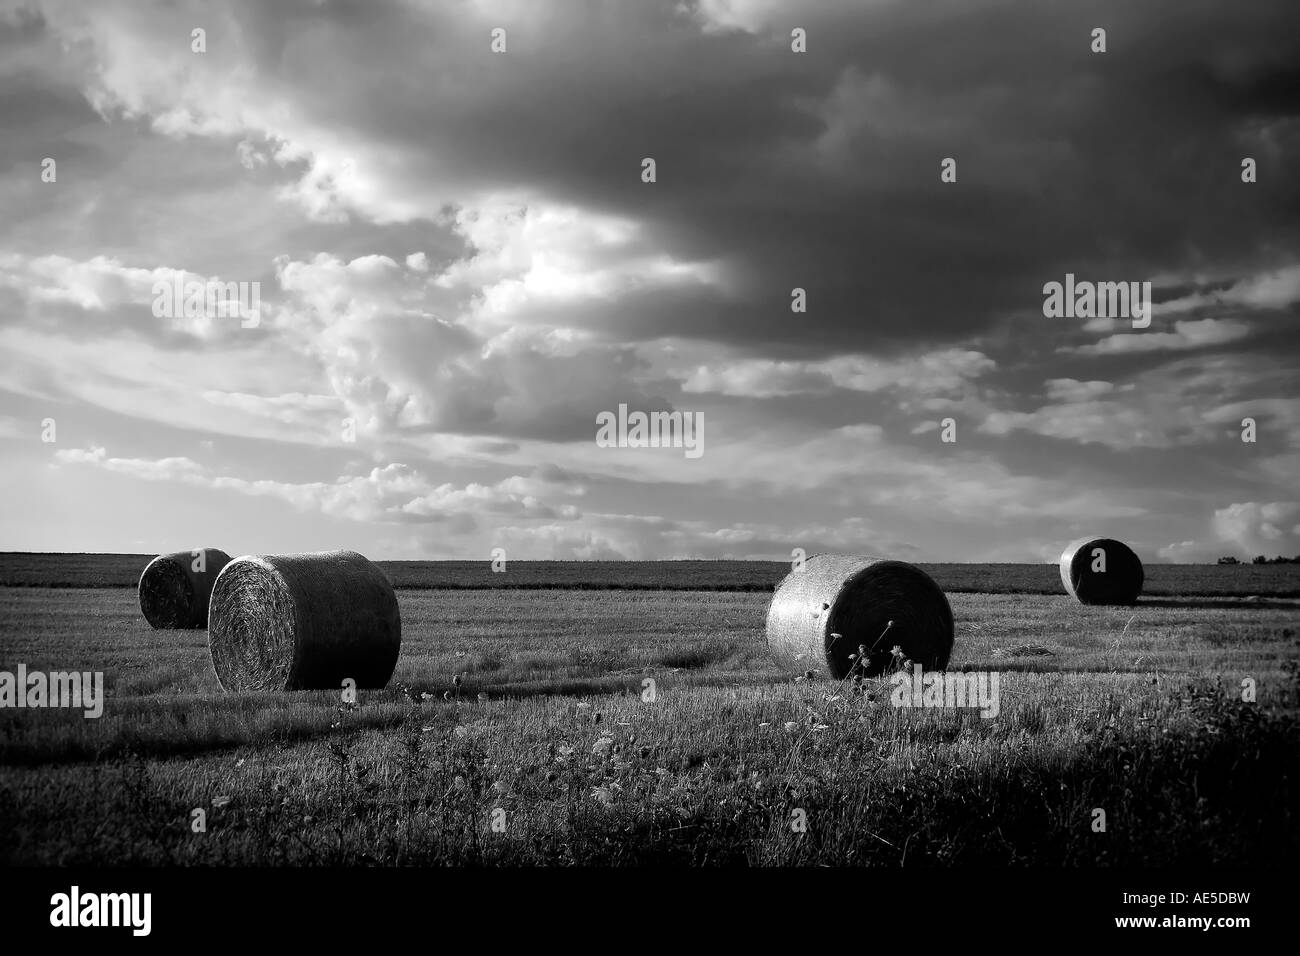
{"points": [[462, 262]]}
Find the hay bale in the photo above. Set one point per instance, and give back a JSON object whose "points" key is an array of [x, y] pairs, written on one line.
{"points": [[856, 598], [303, 621], [173, 594], [1120, 583]]}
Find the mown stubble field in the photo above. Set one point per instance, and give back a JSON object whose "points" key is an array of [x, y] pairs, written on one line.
{"points": [[549, 752]]}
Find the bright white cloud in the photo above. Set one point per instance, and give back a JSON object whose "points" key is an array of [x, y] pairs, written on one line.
{"points": [[723, 16], [531, 257], [933, 372], [161, 469]]}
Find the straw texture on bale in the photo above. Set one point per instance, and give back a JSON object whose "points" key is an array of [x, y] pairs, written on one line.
{"points": [[173, 594], [303, 622], [1121, 583], [856, 597]]}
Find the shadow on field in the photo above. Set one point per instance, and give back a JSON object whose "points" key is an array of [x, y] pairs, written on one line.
{"points": [[690, 658], [1207, 780]]}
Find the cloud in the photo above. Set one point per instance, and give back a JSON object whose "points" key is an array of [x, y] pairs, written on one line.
{"points": [[930, 373], [858, 469], [397, 365], [391, 493], [1182, 403], [642, 537], [534, 260], [1073, 390], [565, 543], [447, 501], [1187, 334], [161, 469], [1278, 419], [1088, 422], [105, 285], [723, 16], [1275, 289], [1254, 528], [1185, 552], [293, 408]]}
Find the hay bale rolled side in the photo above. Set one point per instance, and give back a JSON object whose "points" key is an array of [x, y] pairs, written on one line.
{"points": [[175, 589], [303, 622], [1101, 571], [856, 597]]}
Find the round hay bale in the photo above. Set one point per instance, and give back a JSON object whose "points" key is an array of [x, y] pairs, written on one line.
{"points": [[856, 598], [1101, 571], [175, 595], [303, 622]]}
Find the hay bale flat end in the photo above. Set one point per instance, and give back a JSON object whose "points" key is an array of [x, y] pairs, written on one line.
{"points": [[302, 622], [175, 589], [1101, 571]]}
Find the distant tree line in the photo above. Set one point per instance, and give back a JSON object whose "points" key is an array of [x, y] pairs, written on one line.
{"points": [[1260, 559]]}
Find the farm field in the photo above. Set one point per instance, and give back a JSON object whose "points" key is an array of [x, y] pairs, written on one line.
{"points": [[548, 750], [19, 569]]}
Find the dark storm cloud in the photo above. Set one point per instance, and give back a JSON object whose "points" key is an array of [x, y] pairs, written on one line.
{"points": [[821, 170], [1116, 165]]}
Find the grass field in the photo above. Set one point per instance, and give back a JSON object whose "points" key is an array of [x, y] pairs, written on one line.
{"points": [[550, 752]]}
